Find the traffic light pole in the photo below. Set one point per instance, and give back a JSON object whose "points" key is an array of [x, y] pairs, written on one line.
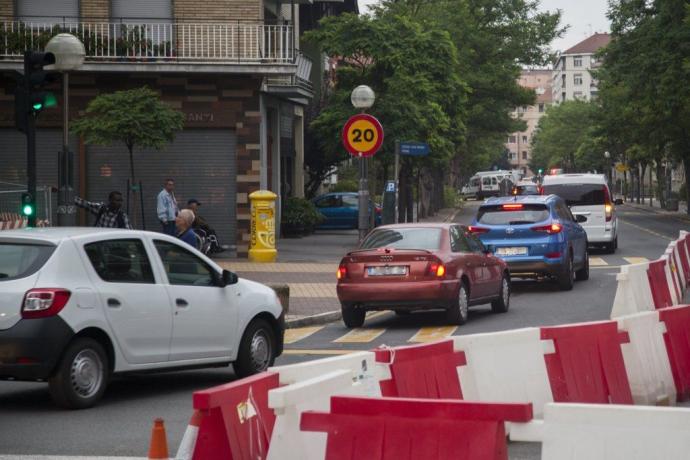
{"points": [[31, 165], [65, 160]]}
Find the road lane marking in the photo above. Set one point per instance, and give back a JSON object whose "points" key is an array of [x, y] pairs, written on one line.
{"points": [[430, 334], [299, 333], [636, 260], [360, 335], [597, 262], [646, 230], [297, 351]]}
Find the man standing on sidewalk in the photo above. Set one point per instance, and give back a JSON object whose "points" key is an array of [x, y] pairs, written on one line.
{"points": [[167, 207], [108, 215]]}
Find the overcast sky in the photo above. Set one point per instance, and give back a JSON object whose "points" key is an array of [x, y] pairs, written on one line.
{"points": [[583, 16]]}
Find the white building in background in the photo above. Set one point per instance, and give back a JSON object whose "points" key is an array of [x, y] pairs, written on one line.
{"points": [[571, 74], [519, 145]]}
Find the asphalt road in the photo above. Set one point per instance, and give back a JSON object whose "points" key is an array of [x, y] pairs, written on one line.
{"points": [[121, 424]]}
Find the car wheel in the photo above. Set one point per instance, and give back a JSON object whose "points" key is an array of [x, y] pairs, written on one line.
{"points": [[257, 349], [567, 278], [81, 376], [352, 315], [459, 311], [502, 304], [583, 273], [615, 243]]}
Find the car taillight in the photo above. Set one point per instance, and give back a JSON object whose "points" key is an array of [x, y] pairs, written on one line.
{"points": [[512, 207], [42, 303], [551, 229], [608, 206], [475, 229], [553, 255], [340, 274], [438, 270]]}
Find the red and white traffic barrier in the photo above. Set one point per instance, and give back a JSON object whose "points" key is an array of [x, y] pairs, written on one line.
{"points": [[633, 292], [608, 432], [517, 370], [677, 340], [411, 429], [646, 359], [13, 224]]}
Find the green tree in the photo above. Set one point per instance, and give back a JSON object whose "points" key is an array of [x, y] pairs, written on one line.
{"points": [[135, 117]]}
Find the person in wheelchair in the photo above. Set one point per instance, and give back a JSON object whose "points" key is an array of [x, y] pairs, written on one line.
{"points": [[209, 239]]}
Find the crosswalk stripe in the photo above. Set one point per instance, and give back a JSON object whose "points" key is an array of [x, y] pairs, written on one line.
{"points": [[297, 351], [430, 334], [360, 335], [597, 262], [636, 260], [299, 333]]}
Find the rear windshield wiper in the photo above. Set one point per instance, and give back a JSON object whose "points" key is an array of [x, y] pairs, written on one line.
{"points": [[520, 222]]}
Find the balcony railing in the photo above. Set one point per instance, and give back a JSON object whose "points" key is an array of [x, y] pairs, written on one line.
{"points": [[223, 43], [302, 78]]}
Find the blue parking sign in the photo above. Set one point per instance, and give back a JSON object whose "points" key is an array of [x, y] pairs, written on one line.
{"points": [[390, 186]]}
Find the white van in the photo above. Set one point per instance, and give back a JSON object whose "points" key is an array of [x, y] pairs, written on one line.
{"points": [[588, 195]]}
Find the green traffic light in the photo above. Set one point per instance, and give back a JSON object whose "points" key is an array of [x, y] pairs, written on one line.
{"points": [[38, 105], [28, 210], [50, 100]]}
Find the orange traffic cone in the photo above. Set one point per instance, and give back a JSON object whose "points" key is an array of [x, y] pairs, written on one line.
{"points": [[186, 449], [159, 442]]}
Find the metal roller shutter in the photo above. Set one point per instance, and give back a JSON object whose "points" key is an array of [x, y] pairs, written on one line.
{"points": [[140, 9], [47, 11], [13, 170], [201, 161]]}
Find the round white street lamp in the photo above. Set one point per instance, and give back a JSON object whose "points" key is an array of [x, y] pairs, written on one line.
{"points": [[69, 55], [362, 97], [68, 50]]}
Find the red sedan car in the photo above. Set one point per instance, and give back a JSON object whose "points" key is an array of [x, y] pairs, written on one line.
{"points": [[406, 267]]}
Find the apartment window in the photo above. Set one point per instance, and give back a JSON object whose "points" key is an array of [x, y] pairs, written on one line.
{"points": [[524, 139], [541, 107], [159, 11], [511, 139], [577, 94], [563, 80], [563, 96], [524, 109], [524, 155], [47, 11], [577, 61], [578, 79]]}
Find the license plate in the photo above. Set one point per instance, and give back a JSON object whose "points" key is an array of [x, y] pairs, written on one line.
{"points": [[395, 270], [521, 251]]}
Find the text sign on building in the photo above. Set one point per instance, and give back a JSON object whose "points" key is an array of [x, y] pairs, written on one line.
{"points": [[414, 149]]}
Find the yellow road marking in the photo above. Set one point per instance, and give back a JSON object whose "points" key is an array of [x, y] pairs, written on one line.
{"points": [[296, 351], [299, 333], [430, 334], [597, 262], [360, 335], [636, 260]]}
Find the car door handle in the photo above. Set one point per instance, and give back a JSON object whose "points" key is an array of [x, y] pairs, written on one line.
{"points": [[114, 303], [181, 303]]}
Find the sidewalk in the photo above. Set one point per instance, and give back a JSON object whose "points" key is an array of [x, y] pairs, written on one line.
{"points": [[307, 266], [682, 212]]}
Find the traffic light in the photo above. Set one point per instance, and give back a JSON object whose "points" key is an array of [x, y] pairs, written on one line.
{"points": [[28, 205], [29, 99], [541, 171]]}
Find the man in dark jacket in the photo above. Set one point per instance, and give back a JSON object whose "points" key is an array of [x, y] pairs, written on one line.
{"points": [[108, 215]]}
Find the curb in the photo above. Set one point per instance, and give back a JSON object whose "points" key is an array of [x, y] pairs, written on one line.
{"points": [[314, 320], [662, 212]]}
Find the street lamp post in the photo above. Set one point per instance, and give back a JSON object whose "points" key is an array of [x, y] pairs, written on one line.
{"points": [[69, 55], [363, 97]]}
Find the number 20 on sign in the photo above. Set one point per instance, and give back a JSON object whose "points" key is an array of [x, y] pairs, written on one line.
{"points": [[362, 135]]}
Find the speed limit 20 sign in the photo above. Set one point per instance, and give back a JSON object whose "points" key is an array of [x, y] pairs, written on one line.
{"points": [[362, 135]]}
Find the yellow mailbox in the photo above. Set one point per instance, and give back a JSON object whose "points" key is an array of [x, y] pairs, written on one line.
{"points": [[262, 244]]}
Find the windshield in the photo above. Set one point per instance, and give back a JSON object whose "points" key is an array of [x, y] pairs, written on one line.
{"points": [[578, 194], [527, 190], [527, 214], [22, 260], [404, 238]]}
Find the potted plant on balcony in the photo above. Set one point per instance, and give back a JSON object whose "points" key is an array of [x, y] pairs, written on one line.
{"points": [[299, 217]]}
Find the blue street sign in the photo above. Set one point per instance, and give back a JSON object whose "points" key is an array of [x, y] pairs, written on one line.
{"points": [[390, 186], [414, 149]]}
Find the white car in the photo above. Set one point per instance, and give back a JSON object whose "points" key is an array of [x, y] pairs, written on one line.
{"points": [[588, 195], [78, 305]]}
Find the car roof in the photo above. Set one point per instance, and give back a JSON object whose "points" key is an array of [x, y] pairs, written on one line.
{"points": [[523, 199], [57, 234], [575, 179], [418, 225]]}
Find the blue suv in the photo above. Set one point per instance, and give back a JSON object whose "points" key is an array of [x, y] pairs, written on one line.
{"points": [[537, 236]]}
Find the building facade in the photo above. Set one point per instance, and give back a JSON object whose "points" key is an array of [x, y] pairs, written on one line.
{"points": [[519, 145], [232, 67], [571, 75]]}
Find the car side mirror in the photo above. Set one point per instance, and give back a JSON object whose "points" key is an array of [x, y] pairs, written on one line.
{"points": [[579, 218], [618, 201], [228, 278]]}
